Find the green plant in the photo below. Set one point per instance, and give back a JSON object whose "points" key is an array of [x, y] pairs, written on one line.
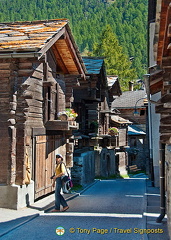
{"points": [[114, 176], [77, 187], [71, 113], [68, 112], [113, 131]]}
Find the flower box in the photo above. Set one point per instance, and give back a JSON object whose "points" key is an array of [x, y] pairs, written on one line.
{"points": [[67, 115]]}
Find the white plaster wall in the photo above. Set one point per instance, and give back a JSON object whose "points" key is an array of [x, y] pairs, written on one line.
{"points": [[155, 137], [16, 197], [151, 44], [168, 183]]}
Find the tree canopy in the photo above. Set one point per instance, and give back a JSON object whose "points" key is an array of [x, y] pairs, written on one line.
{"points": [[127, 18], [116, 61]]}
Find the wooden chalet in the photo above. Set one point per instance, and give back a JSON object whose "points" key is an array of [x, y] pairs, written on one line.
{"points": [[159, 82], [131, 107], [40, 65], [92, 101], [94, 147], [160, 76]]}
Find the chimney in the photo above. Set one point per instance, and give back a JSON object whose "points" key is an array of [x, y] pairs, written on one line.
{"points": [[131, 86]]}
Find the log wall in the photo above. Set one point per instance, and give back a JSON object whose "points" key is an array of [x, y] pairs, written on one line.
{"points": [[21, 110]]}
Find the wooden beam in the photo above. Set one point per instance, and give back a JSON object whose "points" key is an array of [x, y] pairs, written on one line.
{"points": [[166, 38], [165, 137], [74, 54], [154, 88], [59, 59], [65, 54], [52, 41], [166, 120], [161, 33], [166, 60], [166, 128], [48, 84], [166, 98], [169, 30], [161, 109]]}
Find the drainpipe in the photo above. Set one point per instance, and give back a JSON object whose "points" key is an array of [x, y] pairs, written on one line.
{"points": [[162, 185], [150, 125]]}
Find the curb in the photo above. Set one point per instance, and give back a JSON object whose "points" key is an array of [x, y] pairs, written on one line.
{"points": [[20, 224]]}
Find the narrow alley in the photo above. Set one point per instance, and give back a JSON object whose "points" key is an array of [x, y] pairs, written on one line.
{"points": [[109, 209]]}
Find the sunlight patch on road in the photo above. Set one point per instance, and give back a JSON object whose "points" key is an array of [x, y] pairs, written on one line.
{"points": [[152, 194], [77, 214], [152, 214], [134, 196]]}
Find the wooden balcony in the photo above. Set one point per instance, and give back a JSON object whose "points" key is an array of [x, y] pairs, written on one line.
{"points": [[106, 140], [87, 94], [61, 125]]}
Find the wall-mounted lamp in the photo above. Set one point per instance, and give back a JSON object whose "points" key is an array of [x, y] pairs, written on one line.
{"points": [[135, 107]]}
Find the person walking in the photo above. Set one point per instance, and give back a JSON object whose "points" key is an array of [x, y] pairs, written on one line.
{"points": [[59, 172]]}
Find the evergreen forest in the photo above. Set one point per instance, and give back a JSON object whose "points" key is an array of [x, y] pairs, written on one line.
{"points": [[88, 19]]}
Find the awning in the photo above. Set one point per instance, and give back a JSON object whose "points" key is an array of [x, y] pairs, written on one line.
{"points": [[134, 130]]}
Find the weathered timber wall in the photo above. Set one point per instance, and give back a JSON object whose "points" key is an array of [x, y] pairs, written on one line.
{"points": [[7, 131], [71, 82], [58, 88], [21, 110], [136, 119], [29, 112]]}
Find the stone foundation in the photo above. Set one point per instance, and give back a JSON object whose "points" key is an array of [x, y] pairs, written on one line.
{"points": [[83, 171], [16, 197]]}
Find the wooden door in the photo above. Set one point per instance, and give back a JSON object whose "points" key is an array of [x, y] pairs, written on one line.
{"points": [[49, 163], [44, 165]]}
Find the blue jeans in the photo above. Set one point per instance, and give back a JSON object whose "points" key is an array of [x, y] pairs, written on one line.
{"points": [[59, 199]]}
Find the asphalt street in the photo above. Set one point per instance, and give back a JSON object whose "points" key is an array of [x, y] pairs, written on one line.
{"points": [[110, 209]]}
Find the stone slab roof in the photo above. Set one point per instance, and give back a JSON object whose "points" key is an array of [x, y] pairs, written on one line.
{"points": [[20, 36], [129, 99], [93, 65]]}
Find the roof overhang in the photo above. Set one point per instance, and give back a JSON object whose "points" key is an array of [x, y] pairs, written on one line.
{"points": [[164, 45], [34, 39], [114, 85], [155, 80]]}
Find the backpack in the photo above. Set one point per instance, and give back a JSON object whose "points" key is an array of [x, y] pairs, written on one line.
{"points": [[66, 182], [66, 186]]}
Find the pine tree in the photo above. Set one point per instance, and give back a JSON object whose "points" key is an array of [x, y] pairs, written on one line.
{"points": [[116, 61]]}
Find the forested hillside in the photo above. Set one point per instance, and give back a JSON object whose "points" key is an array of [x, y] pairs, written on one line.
{"points": [[88, 18]]}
